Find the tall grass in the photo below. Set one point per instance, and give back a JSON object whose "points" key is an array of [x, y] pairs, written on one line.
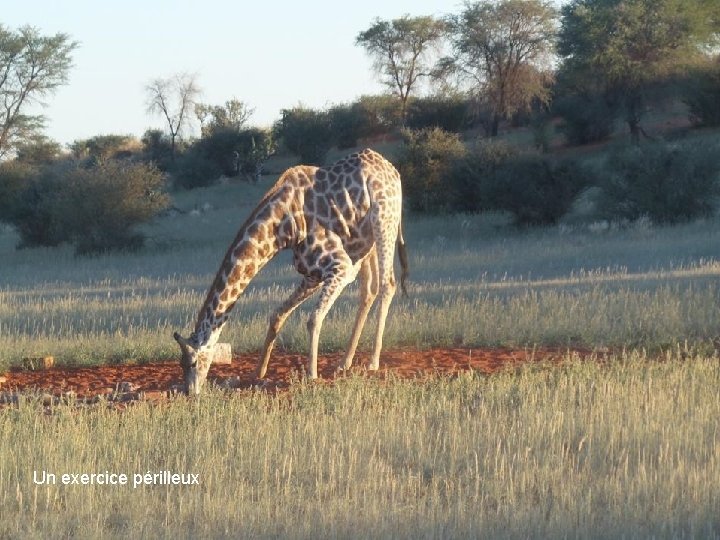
{"points": [[626, 448], [474, 282]]}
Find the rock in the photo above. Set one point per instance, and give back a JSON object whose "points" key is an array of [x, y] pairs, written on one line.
{"points": [[125, 387], [37, 363], [222, 353]]}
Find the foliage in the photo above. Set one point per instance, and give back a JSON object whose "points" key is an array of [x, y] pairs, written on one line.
{"points": [[38, 150], [100, 207], [193, 170], [630, 46], [505, 50], [702, 95], [667, 183], [224, 152], [348, 124], [14, 177], [586, 118], [465, 178], [307, 133], [425, 160], [103, 147], [32, 67], [451, 113], [96, 208], [402, 51], [381, 114], [34, 211], [535, 189], [157, 148], [231, 116]]}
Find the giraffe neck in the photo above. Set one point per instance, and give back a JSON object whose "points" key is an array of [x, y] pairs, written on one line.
{"points": [[255, 244]]}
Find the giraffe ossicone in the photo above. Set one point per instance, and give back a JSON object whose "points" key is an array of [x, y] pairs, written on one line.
{"points": [[340, 221]]}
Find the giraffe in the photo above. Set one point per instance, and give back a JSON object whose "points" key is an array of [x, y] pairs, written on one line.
{"points": [[340, 221]]}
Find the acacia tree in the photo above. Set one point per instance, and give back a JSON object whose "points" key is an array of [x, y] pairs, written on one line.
{"points": [[628, 47], [173, 98], [504, 49], [32, 66], [401, 50]]}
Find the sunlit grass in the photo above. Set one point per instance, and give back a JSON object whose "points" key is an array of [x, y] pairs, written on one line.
{"points": [[624, 448], [474, 281]]}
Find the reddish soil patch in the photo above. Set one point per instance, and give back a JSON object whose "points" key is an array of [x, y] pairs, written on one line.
{"points": [[158, 380]]}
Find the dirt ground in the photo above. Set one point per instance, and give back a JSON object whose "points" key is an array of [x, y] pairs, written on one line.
{"points": [[157, 381]]}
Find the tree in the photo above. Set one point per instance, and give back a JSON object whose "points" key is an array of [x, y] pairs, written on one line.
{"points": [[173, 98], [504, 50], [32, 67], [401, 51], [629, 47], [233, 115]]}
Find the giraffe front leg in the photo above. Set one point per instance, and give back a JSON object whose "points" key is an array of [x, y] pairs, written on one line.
{"points": [[278, 318], [331, 290], [368, 293]]}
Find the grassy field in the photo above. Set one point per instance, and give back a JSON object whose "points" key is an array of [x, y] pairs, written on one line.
{"points": [[627, 446], [630, 448], [474, 281]]}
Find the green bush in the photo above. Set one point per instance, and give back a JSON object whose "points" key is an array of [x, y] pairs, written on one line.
{"points": [[96, 208], [465, 180], [667, 183], [585, 119], [100, 207], [194, 170], [425, 160], [14, 178], [307, 133], [448, 113], [702, 96], [533, 188], [34, 209]]}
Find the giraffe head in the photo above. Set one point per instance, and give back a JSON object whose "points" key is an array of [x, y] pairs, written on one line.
{"points": [[195, 365]]}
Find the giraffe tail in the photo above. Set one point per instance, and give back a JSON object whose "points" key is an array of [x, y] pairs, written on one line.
{"points": [[402, 253]]}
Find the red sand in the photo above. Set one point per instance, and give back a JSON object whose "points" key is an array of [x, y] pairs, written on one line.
{"points": [[156, 379]]}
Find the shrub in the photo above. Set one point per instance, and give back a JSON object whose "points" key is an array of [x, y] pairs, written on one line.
{"points": [[534, 189], [667, 183], [34, 209], [466, 177], [100, 207], [448, 113], [425, 160], [307, 133], [193, 170], [15, 176], [702, 96], [157, 148], [586, 118], [348, 124]]}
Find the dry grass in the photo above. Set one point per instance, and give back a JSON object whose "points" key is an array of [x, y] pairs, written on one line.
{"points": [[630, 448]]}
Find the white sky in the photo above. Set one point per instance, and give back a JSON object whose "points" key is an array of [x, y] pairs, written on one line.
{"points": [[271, 55]]}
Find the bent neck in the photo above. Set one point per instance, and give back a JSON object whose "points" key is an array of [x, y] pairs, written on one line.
{"points": [[253, 247]]}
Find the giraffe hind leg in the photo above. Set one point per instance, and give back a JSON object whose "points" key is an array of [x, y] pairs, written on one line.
{"points": [[385, 228], [368, 293]]}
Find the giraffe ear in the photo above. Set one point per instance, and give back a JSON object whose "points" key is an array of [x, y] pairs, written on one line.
{"points": [[184, 343]]}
